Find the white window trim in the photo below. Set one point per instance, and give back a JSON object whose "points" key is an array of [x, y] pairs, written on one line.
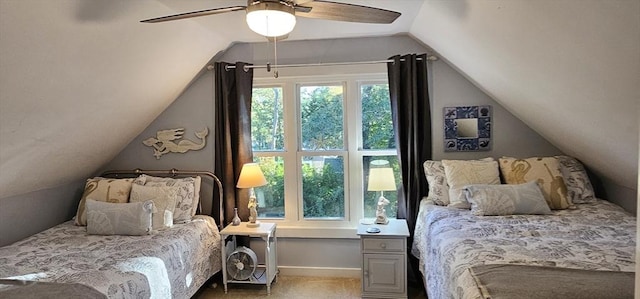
{"points": [[293, 225]]}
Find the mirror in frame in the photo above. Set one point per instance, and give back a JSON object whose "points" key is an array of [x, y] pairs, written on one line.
{"points": [[467, 128]]}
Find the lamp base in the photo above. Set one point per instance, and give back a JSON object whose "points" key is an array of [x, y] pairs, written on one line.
{"points": [[252, 224], [382, 220]]}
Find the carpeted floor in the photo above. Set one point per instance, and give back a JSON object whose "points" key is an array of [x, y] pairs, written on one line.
{"points": [[295, 287]]}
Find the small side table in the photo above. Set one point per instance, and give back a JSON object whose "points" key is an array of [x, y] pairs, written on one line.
{"points": [[265, 273], [384, 259]]}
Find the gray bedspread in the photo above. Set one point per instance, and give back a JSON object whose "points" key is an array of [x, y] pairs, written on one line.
{"points": [[171, 263], [534, 282], [448, 241]]}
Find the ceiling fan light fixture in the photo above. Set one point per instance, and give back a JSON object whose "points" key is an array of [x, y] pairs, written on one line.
{"points": [[271, 19]]}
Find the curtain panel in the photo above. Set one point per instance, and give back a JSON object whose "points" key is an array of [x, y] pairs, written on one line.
{"points": [[411, 114], [233, 90]]}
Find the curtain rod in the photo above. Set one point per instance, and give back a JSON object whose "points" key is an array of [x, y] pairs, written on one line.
{"points": [[268, 66]]}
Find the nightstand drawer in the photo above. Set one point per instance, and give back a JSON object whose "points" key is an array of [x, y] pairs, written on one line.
{"points": [[383, 244]]}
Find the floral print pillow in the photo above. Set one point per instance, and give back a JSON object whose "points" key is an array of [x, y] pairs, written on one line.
{"points": [[579, 188]]}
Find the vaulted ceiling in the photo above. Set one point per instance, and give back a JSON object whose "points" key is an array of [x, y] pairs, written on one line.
{"points": [[79, 79]]}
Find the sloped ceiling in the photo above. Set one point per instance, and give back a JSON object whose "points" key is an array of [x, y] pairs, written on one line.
{"points": [[79, 79], [570, 69]]}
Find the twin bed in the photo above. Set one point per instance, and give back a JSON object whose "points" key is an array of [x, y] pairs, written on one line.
{"points": [[585, 251], [168, 263]]}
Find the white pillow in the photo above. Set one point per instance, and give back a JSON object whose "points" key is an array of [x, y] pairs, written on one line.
{"points": [[524, 198], [461, 173], [164, 202], [105, 218], [187, 196]]}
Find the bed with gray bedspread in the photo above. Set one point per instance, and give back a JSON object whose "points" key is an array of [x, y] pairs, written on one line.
{"points": [[450, 241], [171, 263]]}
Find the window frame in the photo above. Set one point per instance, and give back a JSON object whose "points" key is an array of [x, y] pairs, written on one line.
{"points": [[294, 224]]}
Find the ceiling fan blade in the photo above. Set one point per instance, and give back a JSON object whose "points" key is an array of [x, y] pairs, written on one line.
{"points": [[299, 2], [346, 12], [194, 14]]}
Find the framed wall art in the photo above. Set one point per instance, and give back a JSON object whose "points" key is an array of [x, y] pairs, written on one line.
{"points": [[467, 128]]}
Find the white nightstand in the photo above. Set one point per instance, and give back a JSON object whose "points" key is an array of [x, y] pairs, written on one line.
{"points": [[384, 259], [265, 273]]}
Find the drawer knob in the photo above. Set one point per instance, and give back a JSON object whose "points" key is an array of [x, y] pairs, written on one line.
{"points": [[383, 245]]}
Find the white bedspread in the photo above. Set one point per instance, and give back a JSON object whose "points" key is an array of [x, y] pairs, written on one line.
{"points": [[599, 236], [172, 263]]}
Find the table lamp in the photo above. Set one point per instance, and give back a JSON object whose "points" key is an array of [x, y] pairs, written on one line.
{"points": [[381, 179], [251, 176]]}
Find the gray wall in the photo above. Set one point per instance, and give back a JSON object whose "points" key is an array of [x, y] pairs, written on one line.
{"points": [[27, 214], [194, 108]]}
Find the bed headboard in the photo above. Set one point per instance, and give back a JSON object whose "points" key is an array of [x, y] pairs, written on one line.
{"points": [[172, 173]]}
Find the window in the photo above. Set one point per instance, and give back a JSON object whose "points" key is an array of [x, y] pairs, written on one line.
{"points": [[315, 138]]}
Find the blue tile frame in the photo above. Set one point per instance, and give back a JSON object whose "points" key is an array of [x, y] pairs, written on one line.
{"points": [[481, 143]]}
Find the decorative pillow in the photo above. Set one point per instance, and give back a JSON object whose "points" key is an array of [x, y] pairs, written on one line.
{"points": [[185, 199], [487, 200], [104, 218], [437, 180], [103, 189], [545, 171], [164, 202], [196, 197], [461, 173], [579, 188]]}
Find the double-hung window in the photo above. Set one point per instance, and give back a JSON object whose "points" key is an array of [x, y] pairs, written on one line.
{"points": [[315, 138]]}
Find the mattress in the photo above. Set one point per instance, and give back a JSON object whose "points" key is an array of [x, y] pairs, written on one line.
{"points": [[448, 241], [171, 263]]}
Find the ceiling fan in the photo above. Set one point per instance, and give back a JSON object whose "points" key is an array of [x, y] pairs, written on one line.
{"points": [[274, 18]]}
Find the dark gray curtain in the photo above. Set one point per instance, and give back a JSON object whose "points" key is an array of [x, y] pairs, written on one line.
{"points": [[232, 122], [411, 114]]}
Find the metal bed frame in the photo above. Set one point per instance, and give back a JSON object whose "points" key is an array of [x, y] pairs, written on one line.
{"points": [[179, 173]]}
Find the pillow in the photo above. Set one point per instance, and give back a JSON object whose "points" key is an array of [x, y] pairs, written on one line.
{"points": [[461, 173], [164, 202], [579, 188], [105, 218], [545, 171], [437, 180], [196, 192], [487, 200], [102, 189], [185, 199], [438, 187]]}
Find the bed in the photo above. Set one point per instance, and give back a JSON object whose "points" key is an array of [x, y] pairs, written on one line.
{"points": [[168, 263], [586, 251]]}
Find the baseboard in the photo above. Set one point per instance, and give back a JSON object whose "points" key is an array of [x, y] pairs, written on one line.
{"points": [[319, 271]]}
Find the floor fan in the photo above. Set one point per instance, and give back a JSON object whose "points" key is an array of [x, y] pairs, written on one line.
{"points": [[241, 264]]}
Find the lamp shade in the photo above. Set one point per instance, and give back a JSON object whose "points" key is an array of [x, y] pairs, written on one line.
{"points": [[251, 176], [381, 179], [271, 19]]}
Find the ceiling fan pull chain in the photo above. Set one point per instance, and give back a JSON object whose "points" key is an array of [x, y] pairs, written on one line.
{"points": [[275, 54]]}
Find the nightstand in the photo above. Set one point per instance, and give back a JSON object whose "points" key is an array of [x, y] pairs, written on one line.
{"points": [[265, 273], [384, 259]]}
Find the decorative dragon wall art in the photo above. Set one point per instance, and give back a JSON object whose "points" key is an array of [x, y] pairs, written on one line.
{"points": [[165, 142]]}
